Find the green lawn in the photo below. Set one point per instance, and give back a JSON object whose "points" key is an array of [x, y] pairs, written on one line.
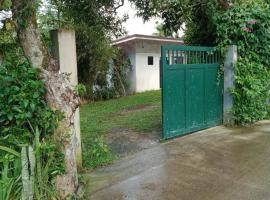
{"points": [[140, 112]]}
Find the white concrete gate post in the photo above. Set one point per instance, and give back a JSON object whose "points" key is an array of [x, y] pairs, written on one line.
{"points": [[64, 49], [229, 77]]}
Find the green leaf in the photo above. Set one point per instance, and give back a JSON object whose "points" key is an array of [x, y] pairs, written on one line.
{"points": [[35, 95], [10, 117], [9, 150], [25, 102], [32, 106]]}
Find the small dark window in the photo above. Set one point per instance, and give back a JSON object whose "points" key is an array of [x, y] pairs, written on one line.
{"points": [[150, 60]]}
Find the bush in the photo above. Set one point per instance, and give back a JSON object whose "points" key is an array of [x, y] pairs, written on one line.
{"points": [[99, 154], [251, 92], [26, 120], [247, 26], [22, 102], [111, 81]]}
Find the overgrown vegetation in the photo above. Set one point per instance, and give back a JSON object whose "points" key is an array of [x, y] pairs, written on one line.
{"points": [[99, 118], [26, 122], [10, 175], [247, 26], [22, 102]]}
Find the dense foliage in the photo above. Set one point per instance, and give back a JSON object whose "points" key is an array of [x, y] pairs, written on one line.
{"points": [[193, 16], [22, 102], [247, 26], [26, 121]]}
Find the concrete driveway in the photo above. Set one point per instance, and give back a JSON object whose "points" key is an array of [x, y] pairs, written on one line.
{"points": [[219, 163]]}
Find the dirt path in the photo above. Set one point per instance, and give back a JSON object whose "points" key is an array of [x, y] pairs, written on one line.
{"points": [[124, 142]]}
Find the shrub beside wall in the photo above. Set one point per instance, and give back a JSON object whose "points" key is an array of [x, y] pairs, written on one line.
{"points": [[22, 102], [26, 122], [247, 26]]}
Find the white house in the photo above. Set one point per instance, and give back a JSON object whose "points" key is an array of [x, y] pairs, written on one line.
{"points": [[144, 52]]}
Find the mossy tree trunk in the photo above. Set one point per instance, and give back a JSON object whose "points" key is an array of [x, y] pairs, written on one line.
{"points": [[60, 94]]}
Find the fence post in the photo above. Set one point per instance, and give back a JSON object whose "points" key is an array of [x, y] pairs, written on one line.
{"points": [[64, 49], [229, 77]]}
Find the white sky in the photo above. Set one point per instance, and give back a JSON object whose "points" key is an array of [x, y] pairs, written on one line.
{"points": [[135, 25]]}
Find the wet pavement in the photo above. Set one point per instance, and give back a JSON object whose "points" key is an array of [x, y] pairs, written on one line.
{"points": [[219, 163]]}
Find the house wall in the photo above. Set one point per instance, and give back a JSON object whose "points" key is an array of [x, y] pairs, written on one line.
{"points": [[144, 77], [147, 76]]}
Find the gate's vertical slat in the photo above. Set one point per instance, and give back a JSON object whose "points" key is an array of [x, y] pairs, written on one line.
{"points": [[203, 57], [205, 96]]}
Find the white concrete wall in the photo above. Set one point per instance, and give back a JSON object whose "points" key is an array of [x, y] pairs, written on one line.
{"points": [[147, 76]]}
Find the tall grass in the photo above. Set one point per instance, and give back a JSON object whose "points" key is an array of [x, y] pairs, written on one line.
{"points": [[29, 174], [10, 176]]}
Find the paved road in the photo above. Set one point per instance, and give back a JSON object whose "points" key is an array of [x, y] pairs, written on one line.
{"points": [[216, 164]]}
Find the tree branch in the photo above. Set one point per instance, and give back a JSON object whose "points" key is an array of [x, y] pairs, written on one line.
{"points": [[24, 14]]}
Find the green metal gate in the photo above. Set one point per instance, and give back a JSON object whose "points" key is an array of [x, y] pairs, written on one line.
{"points": [[191, 89]]}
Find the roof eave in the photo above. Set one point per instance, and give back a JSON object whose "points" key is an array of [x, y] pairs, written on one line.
{"points": [[124, 40]]}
